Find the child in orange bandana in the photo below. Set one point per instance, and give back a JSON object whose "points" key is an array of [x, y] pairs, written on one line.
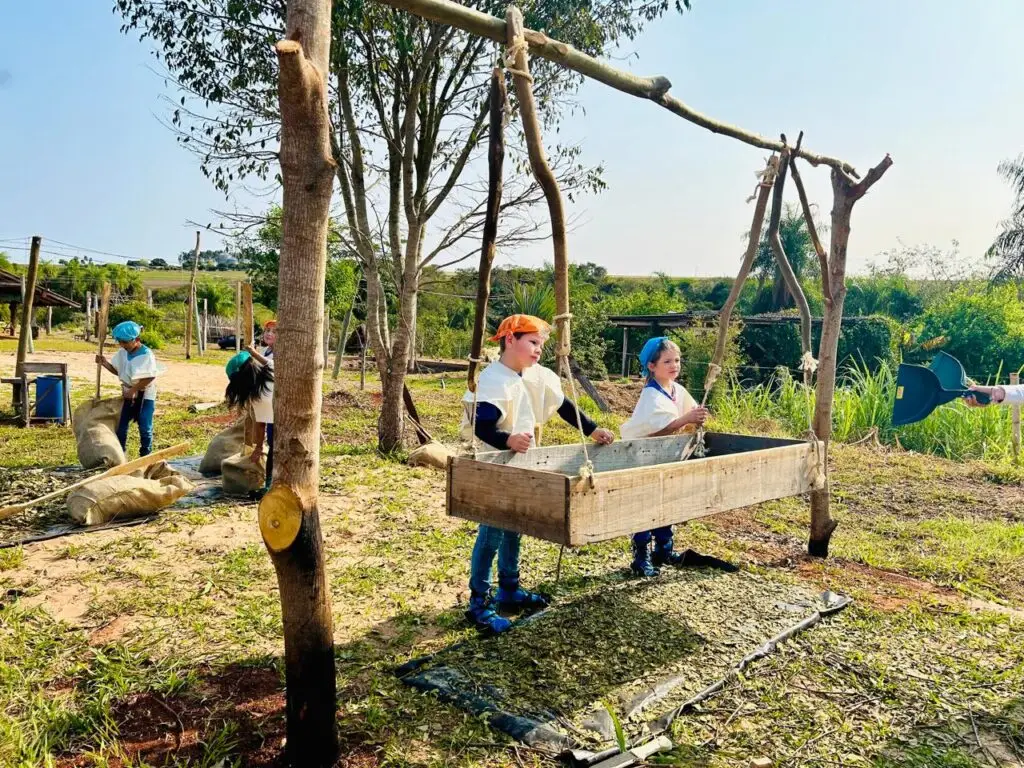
{"points": [[513, 396]]}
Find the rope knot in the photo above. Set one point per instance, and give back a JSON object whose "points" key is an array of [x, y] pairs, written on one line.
{"points": [[808, 363]]}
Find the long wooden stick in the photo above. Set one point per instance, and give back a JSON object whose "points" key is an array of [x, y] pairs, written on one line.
{"points": [[247, 319], [28, 286], [495, 163], [812, 229], [782, 261], [523, 82], [121, 469], [101, 333], [725, 315], [652, 88]]}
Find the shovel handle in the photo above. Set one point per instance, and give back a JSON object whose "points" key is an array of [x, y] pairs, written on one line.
{"points": [[981, 397]]}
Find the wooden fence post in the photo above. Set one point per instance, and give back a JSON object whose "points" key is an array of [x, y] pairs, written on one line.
{"points": [[1015, 379], [206, 324], [88, 314], [625, 352], [28, 291], [49, 320]]}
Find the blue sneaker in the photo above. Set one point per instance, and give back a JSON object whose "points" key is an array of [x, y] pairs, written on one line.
{"points": [[481, 614], [642, 565]]}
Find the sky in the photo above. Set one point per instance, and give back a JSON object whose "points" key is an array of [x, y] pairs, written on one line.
{"points": [[85, 160]]}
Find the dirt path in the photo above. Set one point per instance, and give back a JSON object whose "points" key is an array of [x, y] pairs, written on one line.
{"points": [[204, 382]]}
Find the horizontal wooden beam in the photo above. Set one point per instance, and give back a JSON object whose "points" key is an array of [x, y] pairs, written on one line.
{"points": [[652, 88]]}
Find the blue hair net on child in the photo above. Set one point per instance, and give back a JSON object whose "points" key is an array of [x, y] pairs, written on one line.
{"points": [[647, 353], [126, 331]]}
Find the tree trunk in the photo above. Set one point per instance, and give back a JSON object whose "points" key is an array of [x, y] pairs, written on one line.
{"points": [[498, 99], [389, 427], [845, 193], [289, 517]]}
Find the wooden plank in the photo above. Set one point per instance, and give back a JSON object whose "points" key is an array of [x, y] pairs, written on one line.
{"points": [[38, 367], [521, 500], [568, 459], [631, 500]]}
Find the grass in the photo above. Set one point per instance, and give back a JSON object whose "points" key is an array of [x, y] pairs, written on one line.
{"points": [[863, 403], [186, 609]]}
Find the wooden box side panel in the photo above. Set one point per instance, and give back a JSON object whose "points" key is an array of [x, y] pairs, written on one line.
{"points": [[512, 498], [623, 503], [569, 459]]}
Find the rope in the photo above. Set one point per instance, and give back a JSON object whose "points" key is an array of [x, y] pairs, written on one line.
{"points": [[816, 471], [587, 470]]}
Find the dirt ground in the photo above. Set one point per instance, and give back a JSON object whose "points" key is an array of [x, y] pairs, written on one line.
{"points": [[203, 381]]}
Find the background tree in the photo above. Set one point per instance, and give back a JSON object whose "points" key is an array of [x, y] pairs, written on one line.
{"points": [[408, 103], [796, 241], [260, 255], [1008, 249]]}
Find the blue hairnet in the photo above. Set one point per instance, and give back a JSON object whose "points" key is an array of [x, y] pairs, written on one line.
{"points": [[235, 363], [649, 351], [126, 331]]}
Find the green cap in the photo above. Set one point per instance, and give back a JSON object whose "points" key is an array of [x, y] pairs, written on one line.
{"points": [[235, 363]]}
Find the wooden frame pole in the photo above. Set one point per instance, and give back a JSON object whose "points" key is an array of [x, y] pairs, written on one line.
{"points": [[497, 98]]}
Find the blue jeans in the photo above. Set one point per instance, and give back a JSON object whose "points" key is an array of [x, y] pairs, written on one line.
{"points": [[270, 454], [140, 411], [662, 538], [491, 541]]}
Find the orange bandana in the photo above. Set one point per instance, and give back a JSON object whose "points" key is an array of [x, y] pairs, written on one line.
{"points": [[521, 324]]}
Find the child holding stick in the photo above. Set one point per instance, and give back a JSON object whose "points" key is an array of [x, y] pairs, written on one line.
{"points": [[135, 365]]}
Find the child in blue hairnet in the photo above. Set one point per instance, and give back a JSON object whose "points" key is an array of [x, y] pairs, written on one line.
{"points": [[135, 365], [664, 408]]}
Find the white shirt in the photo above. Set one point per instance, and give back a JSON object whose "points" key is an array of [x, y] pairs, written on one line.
{"points": [[655, 410], [524, 401], [140, 365], [1014, 394], [263, 409]]}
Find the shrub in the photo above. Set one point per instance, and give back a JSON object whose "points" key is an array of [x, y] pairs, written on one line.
{"points": [[983, 328], [152, 339], [136, 311]]}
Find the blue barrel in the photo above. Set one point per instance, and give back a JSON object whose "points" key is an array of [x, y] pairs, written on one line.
{"points": [[50, 397]]}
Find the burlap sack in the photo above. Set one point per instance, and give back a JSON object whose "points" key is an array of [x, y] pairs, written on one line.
{"points": [[96, 433], [127, 496], [433, 454], [241, 475], [224, 444]]}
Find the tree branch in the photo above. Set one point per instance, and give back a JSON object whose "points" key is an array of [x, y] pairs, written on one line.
{"points": [[812, 229], [653, 88]]}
